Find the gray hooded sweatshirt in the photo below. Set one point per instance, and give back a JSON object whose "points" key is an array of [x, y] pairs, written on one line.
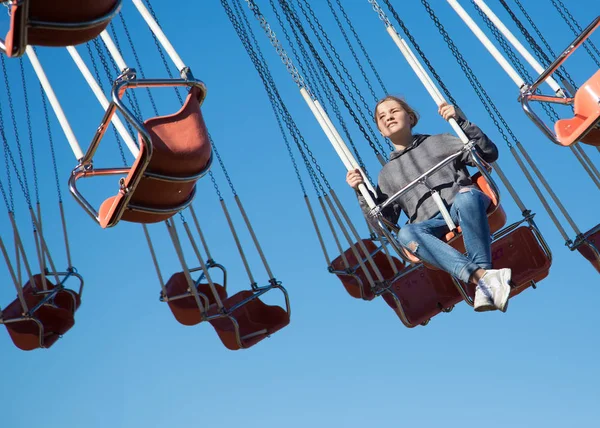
{"points": [[423, 154]]}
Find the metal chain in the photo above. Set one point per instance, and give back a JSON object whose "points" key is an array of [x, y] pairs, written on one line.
{"points": [[537, 49], [9, 200], [380, 12], [360, 44], [276, 100], [577, 31], [160, 49], [30, 133], [109, 76], [514, 59], [227, 177], [315, 21], [131, 95], [51, 142], [485, 99], [328, 95], [99, 80], [322, 65], [352, 51], [214, 182], [137, 60], [412, 40], [289, 65], [22, 181]]}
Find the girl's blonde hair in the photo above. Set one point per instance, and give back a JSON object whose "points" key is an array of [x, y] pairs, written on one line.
{"points": [[407, 108]]}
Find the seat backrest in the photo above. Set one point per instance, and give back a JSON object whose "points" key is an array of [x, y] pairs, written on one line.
{"points": [[94, 17], [181, 148]]}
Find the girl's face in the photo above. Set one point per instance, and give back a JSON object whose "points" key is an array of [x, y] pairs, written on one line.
{"points": [[393, 120]]}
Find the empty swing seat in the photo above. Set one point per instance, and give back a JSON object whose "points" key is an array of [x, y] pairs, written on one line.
{"points": [[181, 154], [185, 309], [592, 238], [354, 281], [41, 328], [423, 293], [57, 22], [581, 127], [520, 251], [255, 319]]}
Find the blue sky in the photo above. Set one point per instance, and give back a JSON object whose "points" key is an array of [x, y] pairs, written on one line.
{"points": [[341, 362]]}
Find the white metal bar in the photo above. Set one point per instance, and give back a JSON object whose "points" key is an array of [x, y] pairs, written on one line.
{"points": [[85, 71], [58, 111], [160, 35], [114, 51], [517, 44], [434, 92], [349, 161], [342, 144], [512, 73]]}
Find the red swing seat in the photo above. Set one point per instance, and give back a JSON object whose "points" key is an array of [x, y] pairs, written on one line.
{"points": [[57, 22], [522, 252], [423, 293], [185, 309], [255, 320], [162, 183], [356, 281], [592, 238], [496, 219], [581, 127], [46, 325]]}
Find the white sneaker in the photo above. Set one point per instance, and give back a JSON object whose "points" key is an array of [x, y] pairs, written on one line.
{"points": [[483, 298], [498, 283]]}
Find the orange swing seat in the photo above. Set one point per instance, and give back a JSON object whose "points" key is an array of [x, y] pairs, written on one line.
{"points": [[247, 321], [57, 23], [582, 126], [183, 303], [43, 327], [354, 279]]}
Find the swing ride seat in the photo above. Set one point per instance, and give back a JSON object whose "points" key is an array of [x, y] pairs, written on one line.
{"points": [[521, 251], [354, 279], [496, 219], [255, 320], [43, 327], [163, 182], [57, 23], [586, 106], [422, 293], [185, 309], [590, 247]]}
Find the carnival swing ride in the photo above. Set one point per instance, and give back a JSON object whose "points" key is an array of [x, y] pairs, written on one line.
{"points": [[170, 152]]}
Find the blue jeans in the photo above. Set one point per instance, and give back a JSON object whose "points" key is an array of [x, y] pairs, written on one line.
{"points": [[468, 211]]}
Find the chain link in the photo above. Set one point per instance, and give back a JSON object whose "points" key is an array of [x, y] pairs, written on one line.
{"points": [[99, 80], [382, 16], [30, 133], [51, 142], [361, 46], [577, 31], [277, 102], [160, 50], [485, 99], [22, 180]]}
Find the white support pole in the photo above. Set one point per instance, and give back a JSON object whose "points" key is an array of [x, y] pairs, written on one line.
{"points": [[58, 111], [349, 161], [114, 51], [342, 144], [487, 43], [85, 71], [160, 35], [430, 86], [517, 44]]}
